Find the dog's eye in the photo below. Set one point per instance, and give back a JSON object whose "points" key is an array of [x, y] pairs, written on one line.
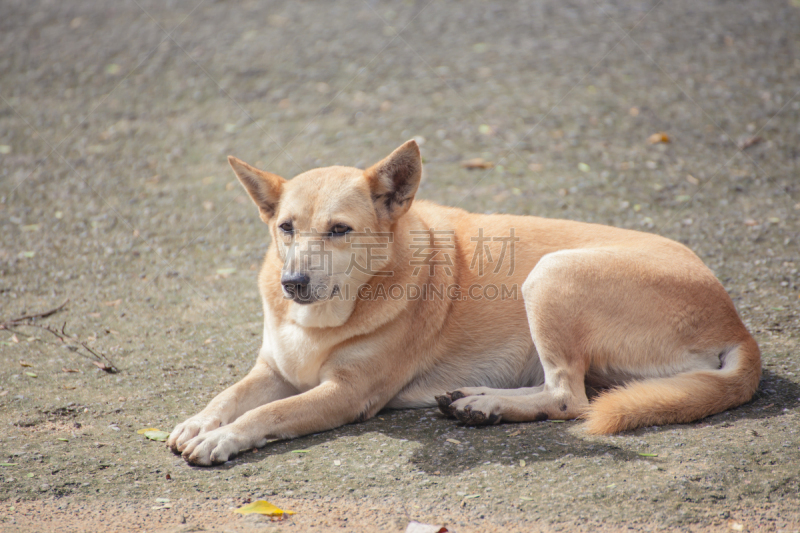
{"points": [[340, 229], [287, 227]]}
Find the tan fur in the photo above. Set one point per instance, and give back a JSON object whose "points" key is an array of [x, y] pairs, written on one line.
{"points": [[634, 314]]}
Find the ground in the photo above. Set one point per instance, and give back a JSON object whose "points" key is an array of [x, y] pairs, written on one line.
{"points": [[115, 121]]}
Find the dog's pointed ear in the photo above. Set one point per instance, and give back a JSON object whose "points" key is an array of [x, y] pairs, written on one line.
{"points": [[263, 187], [394, 181]]}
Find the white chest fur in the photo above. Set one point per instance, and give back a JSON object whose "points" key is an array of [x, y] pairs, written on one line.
{"points": [[298, 357]]}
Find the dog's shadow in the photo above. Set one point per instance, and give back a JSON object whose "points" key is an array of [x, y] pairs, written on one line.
{"points": [[446, 447]]}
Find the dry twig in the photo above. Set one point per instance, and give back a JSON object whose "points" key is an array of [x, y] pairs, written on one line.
{"points": [[100, 360]]}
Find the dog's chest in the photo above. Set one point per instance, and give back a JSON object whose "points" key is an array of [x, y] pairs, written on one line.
{"points": [[296, 355]]}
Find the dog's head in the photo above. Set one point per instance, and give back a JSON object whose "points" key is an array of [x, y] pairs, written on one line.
{"points": [[332, 228]]}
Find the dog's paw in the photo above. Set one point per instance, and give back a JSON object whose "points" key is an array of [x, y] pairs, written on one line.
{"points": [[477, 410], [214, 447], [445, 401], [189, 429]]}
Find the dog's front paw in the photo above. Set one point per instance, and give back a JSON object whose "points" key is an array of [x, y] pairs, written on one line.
{"points": [[186, 431], [214, 447]]}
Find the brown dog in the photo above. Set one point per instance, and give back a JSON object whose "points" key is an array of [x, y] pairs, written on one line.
{"points": [[372, 300]]}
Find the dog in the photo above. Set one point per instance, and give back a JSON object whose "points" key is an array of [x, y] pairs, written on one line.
{"points": [[373, 300]]}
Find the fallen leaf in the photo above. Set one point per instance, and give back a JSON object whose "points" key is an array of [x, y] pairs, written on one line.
{"points": [[691, 179], [750, 222], [8, 464], [611, 486], [648, 454], [15, 339], [522, 462], [113, 303], [64, 369], [165, 506], [62, 439], [471, 496], [24, 363], [31, 374], [659, 137], [514, 434], [102, 366], [476, 162], [157, 434], [750, 141], [583, 167], [145, 430], [301, 451], [225, 272], [337, 462], [525, 498], [30, 474], [30, 227], [162, 500], [28, 255], [454, 441], [262, 507]]}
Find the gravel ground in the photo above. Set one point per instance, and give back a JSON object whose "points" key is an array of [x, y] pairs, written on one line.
{"points": [[115, 120]]}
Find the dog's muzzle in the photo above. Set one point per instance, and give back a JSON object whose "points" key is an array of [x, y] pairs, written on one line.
{"points": [[296, 286]]}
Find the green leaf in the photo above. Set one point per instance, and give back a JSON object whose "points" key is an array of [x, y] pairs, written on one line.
{"points": [[29, 474], [157, 434], [226, 271], [31, 374], [62, 439], [301, 451], [8, 464], [648, 454]]}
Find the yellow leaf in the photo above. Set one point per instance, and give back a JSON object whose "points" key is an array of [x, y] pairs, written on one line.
{"points": [[659, 137], [454, 441], [145, 430], [262, 507]]}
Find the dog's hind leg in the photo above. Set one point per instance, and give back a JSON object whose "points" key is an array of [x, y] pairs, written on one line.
{"points": [[556, 332], [445, 401]]}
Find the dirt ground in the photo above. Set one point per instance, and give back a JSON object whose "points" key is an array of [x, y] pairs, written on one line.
{"points": [[115, 120]]}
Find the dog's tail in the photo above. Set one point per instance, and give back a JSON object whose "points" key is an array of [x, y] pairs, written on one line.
{"points": [[680, 398]]}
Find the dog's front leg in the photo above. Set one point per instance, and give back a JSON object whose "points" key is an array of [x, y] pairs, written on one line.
{"points": [[262, 385], [333, 403]]}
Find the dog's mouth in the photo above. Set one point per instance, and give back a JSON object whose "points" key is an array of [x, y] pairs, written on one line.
{"points": [[306, 295]]}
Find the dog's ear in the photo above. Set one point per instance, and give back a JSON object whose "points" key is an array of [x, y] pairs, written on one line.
{"points": [[264, 188], [394, 181]]}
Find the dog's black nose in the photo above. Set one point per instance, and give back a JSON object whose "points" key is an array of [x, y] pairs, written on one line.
{"points": [[295, 282]]}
